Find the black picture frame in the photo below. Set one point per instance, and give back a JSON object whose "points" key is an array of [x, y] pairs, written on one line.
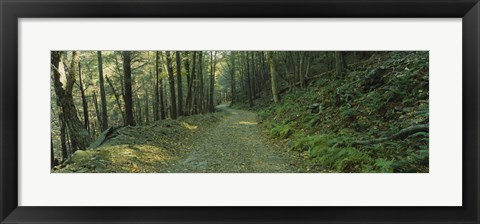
{"points": [[12, 10]]}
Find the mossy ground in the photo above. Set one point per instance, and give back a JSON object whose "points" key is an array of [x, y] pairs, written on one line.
{"points": [[139, 149]]}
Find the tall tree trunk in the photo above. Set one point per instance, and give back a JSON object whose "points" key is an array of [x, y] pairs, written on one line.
{"points": [[266, 80], [340, 64], [253, 76], [199, 87], [273, 74], [171, 81], [307, 69], [128, 98], [102, 92], [301, 75], [156, 107], [138, 109], [249, 82], [213, 61], [190, 85], [79, 133], [84, 99], [179, 83], [117, 99], [232, 76], [163, 115], [97, 111], [146, 112]]}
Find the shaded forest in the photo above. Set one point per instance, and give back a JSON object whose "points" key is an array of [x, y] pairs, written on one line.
{"points": [[239, 111]]}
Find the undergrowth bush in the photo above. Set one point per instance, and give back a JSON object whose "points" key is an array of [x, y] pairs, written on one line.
{"points": [[345, 160], [394, 97]]}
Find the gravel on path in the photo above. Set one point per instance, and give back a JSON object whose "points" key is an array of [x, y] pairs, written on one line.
{"points": [[235, 144]]}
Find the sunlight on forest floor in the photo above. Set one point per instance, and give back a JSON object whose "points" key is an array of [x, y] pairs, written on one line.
{"points": [[247, 122], [139, 149], [188, 126]]}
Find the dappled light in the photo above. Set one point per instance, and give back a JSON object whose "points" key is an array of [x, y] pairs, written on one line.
{"points": [[239, 111], [188, 126], [246, 123]]}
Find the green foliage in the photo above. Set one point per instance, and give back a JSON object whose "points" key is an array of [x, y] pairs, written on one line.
{"points": [[383, 165], [303, 142], [322, 153], [345, 160], [281, 130], [378, 99], [264, 114]]}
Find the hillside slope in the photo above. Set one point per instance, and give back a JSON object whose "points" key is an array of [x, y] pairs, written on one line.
{"points": [[361, 122]]}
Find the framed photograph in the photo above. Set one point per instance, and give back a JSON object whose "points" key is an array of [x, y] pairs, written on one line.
{"points": [[239, 112]]}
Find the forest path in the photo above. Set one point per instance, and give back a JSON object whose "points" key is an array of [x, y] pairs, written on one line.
{"points": [[234, 145]]}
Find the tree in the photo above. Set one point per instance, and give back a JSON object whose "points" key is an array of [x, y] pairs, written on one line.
{"points": [[84, 99], [273, 74], [97, 111], [128, 98], [253, 76], [159, 87], [156, 108], [102, 92], [232, 76], [117, 99], [189, 100], [179, 83], [171, 81], [249, 81], [213, 61], [78, 133], [147, 117], [198, 86], [339, 64]]}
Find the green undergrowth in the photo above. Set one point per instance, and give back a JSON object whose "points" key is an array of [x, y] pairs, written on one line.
{"points": [[374, 99]]}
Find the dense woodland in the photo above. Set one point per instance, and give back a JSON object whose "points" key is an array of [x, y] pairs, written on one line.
{"points": [[330, 111]]}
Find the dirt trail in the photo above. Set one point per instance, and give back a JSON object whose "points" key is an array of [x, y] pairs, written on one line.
{"points": [[233, 145]]}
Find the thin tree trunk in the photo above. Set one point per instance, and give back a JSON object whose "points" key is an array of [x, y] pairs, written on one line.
{"points": [[179, 83], [128, 98], [102, 92], [138, 108], [84, 99], [147, 118], [157, 94], [162, 101], [199, 85], [213, 60], [117, 99], [273, 74], [97, 111], [253, 76], [232, 76], [300, 72], [249, 84], [190, 85], [339, 62]]}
